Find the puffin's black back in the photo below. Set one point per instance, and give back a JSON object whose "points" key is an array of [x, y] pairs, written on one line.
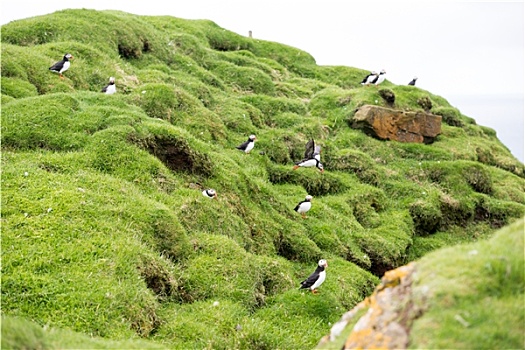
{"points": [[307, 283], [57, 66], [244, 144], [309, 150], [366, 78]]}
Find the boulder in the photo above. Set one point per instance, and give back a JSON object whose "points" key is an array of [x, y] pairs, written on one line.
{"points": [[383, 320], [397, 125]]}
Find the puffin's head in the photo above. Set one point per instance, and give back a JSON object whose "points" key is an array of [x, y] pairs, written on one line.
{"points": [[323, 263], [308, 198], [68, 56], [252, 137], [415, 78], [373, 72], [383, 71], [321, 167], [112, 79]]}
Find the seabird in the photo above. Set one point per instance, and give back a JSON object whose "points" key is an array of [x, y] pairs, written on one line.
{"points": [[413, 81], [247, 146], [369, 78], [110, 89], [62, 65], [210, 193], [304, 206], [316, 278], [312, 157], [380, 77]]}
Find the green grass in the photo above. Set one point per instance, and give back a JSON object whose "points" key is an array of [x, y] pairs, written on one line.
{"points": [[106, 237], [477, 295], [18, 333]]}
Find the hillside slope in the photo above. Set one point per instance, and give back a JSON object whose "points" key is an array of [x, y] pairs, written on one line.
{"points": [[105, 231]]}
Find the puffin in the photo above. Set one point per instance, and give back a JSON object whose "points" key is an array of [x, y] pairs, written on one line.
{"points": [[312, 157], [304, 206], [316, 278], [413, 81], [61, 66], [110, 89], [247, 146], [380, 78], [369, 78], [210, 193]]}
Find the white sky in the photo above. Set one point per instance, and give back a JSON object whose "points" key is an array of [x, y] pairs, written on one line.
{"points": [[454, 48]]}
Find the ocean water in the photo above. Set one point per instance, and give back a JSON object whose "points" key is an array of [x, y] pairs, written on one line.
{"points": [[503, 113]]}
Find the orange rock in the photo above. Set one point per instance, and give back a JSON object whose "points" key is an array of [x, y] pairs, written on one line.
{"points": [[390, 311], [391, 124]]}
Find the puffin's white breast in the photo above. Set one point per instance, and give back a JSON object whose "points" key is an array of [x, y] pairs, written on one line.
{"points": [[111, 89], [320, 280], [65, 66], [304, 207], [249, 147], [308, 163]]}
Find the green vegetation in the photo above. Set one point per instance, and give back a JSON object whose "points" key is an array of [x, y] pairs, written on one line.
{"points": [[469, 296], [107, 240], [477, 295]]}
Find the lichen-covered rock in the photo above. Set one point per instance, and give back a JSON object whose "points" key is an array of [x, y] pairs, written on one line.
{"points": [[397, 125], [385, 316]]}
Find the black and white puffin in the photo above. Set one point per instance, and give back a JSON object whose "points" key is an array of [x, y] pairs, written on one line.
{"points": [[110, 89], [247, 146], [369, 78], [210, 193], [62, 65], [312, 157], [413, 81], [380, 77], [304, 206], [316, 278]]}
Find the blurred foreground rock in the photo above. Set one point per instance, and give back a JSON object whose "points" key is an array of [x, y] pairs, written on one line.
{"points": [[383, 320]]}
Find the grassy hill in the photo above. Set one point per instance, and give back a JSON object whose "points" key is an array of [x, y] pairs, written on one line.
{"points": [[105, 232]]}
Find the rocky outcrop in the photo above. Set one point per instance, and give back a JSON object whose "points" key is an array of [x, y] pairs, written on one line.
{"points": [[382, 320], [391, 124]]}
